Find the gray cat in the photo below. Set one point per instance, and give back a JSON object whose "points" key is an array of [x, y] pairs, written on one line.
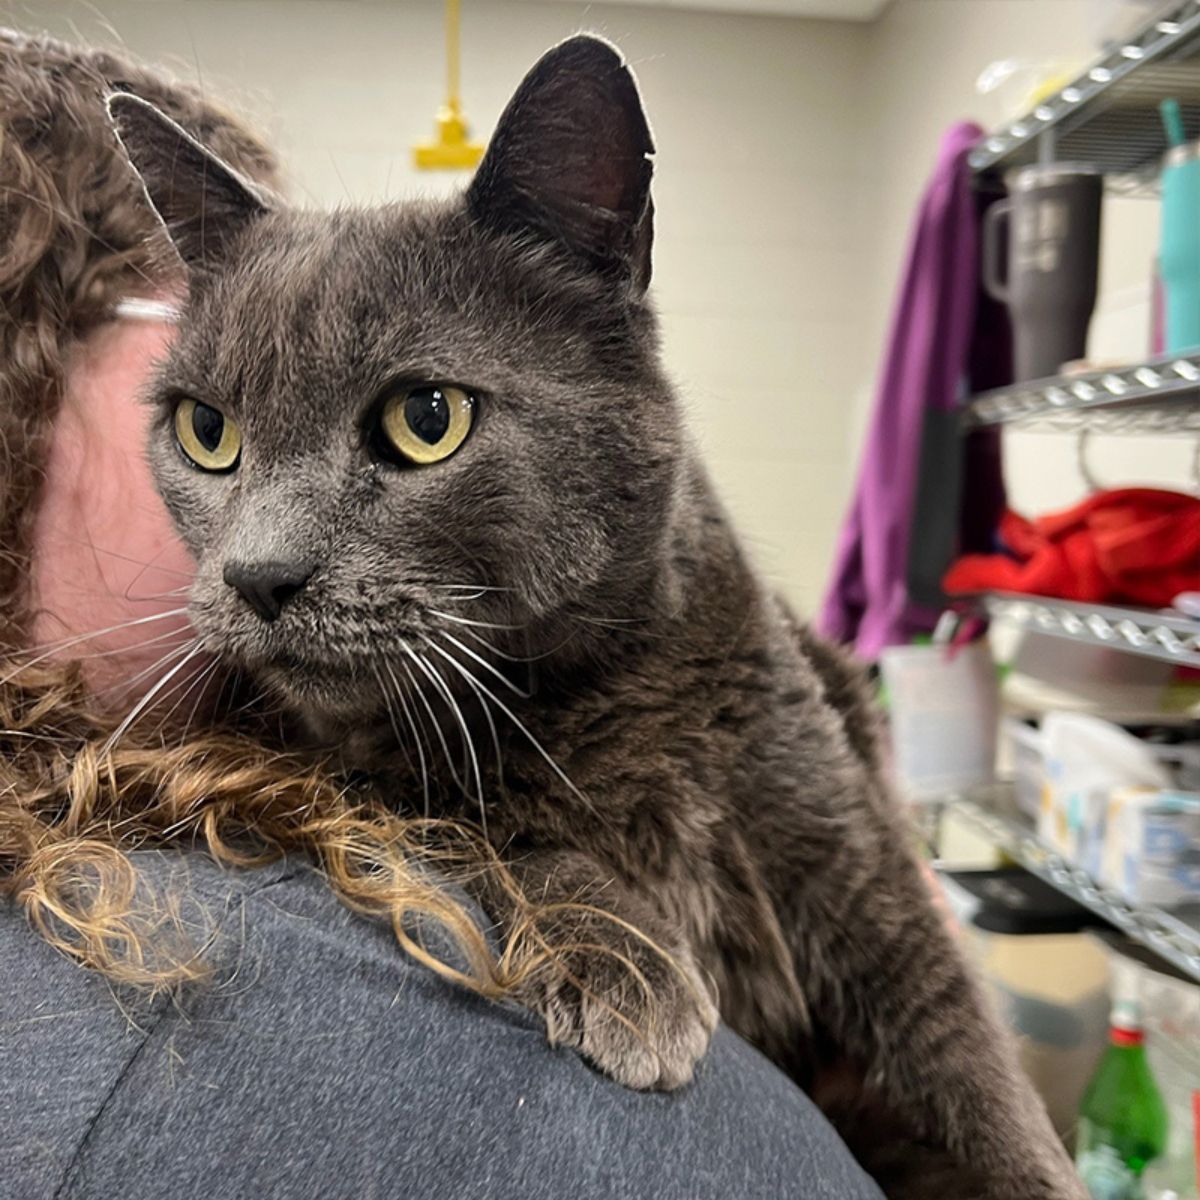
{"points": [[442, 503]]}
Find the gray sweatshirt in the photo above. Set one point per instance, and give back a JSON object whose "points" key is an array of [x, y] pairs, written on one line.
{"points": [[321, 1062]]}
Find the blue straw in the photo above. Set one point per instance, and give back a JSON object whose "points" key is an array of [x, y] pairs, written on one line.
{"points": [[1172, 120]]}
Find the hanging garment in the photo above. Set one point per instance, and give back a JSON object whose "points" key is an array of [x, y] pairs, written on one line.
{"points": [[1131, 546], [933, 342]]}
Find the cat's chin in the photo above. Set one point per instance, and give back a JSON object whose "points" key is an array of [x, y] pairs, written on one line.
{"points": [[326, 707], [325, 698]]}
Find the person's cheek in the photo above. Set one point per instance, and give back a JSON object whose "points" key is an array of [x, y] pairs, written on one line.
{"points": [[109, 573]]}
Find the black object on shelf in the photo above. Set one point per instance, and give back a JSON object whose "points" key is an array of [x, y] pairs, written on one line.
{"points": [[1012, 901]]}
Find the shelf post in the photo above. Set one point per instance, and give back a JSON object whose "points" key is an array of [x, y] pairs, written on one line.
{"points": [[1047, 147]]}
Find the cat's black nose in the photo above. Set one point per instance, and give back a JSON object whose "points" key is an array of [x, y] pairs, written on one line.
{"points": [[268, 586]]}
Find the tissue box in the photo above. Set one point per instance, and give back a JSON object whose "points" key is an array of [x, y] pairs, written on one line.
{"points": [[1152, 846], [1087, 760], [1072, 821], [1022, 744]]}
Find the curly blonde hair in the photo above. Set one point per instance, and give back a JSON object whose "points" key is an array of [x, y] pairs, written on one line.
{"points": [[76, 235]]}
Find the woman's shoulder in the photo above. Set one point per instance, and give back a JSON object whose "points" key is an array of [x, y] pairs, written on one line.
{"points": [[321, 1061]]}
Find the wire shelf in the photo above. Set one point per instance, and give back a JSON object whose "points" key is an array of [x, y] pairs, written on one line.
{"points": [[1108, 116], [1174, 936], [1169, 637], [1161, 396]]}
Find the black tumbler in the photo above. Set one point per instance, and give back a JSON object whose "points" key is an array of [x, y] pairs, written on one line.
{"points": [[1052, 262]]}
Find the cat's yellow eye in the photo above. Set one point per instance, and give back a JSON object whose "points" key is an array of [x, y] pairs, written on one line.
{"points": [[207, 436], [427, 423]]}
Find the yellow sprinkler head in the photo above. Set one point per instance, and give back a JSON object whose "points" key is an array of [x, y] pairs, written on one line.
{"points": [[452, 150]]}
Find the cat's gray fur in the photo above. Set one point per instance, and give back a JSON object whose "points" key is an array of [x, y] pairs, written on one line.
{"points": [[725, 791]]}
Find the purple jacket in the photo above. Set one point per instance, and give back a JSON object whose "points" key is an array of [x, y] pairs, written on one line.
{"points": [[929, 346]]}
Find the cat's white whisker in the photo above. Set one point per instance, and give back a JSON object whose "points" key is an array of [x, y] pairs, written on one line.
{"points": [[178, 593], [476, 624], [418, 734], [123, 685], [475, 637], [135, 647], [179, 691], [185, 688], [131, 648], [204, 679], [234, 684], [448, 695], [473, 591], [147, 700], [495, 735], [49, 649], [610, 621], [441, 688], [401, 740], [508, 712], [523, 659], [468, 587], [437, 727], [67, 642], [483, 662]]}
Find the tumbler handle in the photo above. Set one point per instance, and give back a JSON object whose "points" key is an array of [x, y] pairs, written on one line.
{"points": [[993, 281]]}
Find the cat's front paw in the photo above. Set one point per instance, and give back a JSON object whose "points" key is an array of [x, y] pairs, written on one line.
{"points": [[645, 1027]]}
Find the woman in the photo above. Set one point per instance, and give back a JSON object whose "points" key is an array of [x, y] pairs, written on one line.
{"points": [[242, 1031]]}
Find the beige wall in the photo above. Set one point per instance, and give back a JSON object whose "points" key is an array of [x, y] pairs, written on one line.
{"points": [[792, 154]]}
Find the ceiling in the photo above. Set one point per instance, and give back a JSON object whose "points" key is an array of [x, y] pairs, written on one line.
{"points": [[840, 10]]}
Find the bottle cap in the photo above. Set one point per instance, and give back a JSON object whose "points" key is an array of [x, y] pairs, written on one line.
{"points": [[1126, 1023]]}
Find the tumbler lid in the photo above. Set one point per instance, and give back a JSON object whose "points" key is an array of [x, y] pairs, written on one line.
{"points": [[1025, 179]]}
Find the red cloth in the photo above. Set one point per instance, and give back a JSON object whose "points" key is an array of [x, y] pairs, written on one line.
{"points": [[1131, 545]]}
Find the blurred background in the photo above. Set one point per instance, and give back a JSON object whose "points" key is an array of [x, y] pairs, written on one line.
{"points": [[794, 139]]}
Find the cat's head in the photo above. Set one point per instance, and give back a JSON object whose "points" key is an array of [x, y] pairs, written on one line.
{"points": [[387, 433]]}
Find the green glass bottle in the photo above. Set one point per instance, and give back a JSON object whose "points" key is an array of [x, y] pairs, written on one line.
{"points": [[1122, 1120]]}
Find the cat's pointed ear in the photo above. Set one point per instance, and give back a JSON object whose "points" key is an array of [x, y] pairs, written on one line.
{"points": [[202, 202], [570, 160]]}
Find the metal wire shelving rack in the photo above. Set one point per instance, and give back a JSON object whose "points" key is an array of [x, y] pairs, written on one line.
{"points": [[1107, 117], [1174, 936], [1161, 396], [1169, 637]]}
